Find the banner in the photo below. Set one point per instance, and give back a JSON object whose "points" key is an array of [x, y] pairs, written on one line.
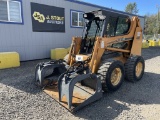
{"points": [[47, 18]]}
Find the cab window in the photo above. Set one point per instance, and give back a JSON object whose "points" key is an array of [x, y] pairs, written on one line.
{"points": [[111, 27], [123, 25], [117, 26]]}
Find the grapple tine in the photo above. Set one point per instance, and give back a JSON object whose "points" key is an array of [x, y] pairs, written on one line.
{"points": [[56, 68], [66, 87]]}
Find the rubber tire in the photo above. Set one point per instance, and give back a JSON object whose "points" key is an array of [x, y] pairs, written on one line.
{"points": [[130, 68], [104, 74]]}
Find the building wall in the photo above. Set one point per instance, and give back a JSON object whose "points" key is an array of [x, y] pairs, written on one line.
{"points": [[36, 45]]}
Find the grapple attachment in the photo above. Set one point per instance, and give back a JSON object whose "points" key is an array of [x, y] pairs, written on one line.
{"points": [[73, 89], [47, 73], [76, 93]]}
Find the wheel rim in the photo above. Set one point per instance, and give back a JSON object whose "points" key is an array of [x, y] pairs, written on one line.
{"points": [[139, 68], [116, 76]]}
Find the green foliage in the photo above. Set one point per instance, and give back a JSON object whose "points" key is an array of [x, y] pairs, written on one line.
{"points": [[152, 24], [132, 8]]}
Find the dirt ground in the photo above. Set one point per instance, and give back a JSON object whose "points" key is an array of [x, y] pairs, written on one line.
{"points": [[21, 99]]}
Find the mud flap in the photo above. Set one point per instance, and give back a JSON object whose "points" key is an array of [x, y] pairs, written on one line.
{"points": [[48, 72], [74, 96]]}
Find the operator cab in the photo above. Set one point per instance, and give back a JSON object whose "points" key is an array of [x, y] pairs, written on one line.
{"points": [[93, 28], [103, 24]]}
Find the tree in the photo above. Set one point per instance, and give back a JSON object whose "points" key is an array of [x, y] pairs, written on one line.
{"points": [[132, 8], [152, 25]]}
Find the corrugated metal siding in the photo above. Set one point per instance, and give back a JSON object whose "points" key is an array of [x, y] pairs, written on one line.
{"points": [[36, 45]]}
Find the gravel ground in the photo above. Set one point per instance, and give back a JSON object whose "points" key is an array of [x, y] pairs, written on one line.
{"points": [[21, 99]]}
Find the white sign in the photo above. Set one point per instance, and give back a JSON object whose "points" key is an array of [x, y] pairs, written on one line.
{"points": [[102, 44], [138, 34], [79, 58]]}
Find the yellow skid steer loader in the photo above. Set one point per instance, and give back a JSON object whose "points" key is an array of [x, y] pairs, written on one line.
{"points": [[108, 52]]}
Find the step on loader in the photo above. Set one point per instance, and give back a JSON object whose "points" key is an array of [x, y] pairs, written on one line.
{"points": [[108, 52]]}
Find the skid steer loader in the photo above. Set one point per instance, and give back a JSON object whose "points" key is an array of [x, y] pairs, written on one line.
{"points": [[108, 53]]}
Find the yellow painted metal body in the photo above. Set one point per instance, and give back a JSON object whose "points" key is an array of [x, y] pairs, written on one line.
{"points": [[9, 60], [58, 53], [103, 44]]}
